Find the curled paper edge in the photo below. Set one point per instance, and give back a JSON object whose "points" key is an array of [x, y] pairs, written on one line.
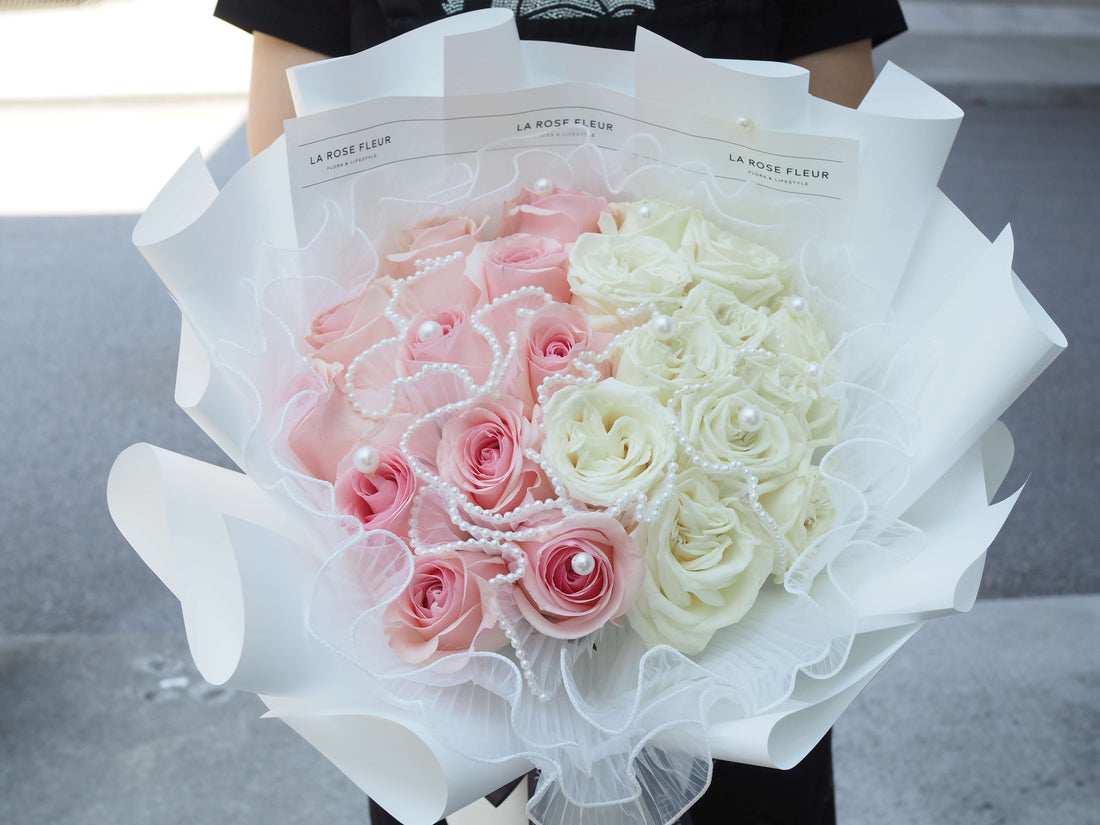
{"points": [[342, 81], [982, 367], [235, 562], [202, 242], [181, 516], [206, 400], [782, 739], [388, 754], [959, 524]]}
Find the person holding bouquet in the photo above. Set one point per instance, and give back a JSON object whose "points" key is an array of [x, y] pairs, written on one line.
{"points": [[833, 40]]}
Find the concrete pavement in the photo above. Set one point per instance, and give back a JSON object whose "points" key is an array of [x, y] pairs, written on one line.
{"points": [[1003, 52]]}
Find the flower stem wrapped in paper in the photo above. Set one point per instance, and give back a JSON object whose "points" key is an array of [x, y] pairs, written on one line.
{"points": [[601, 429]]}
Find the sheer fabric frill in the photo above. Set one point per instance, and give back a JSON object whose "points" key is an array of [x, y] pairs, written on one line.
{"points": [[619, 732]]}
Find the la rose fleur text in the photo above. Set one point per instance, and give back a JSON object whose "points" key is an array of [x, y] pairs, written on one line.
{"points": [[776, 169], [348, 151], [558, 122]]}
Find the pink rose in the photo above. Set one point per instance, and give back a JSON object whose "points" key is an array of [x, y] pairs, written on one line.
{"points": [[342, 332], [448, 607], [382, 499], [438, 305], [325, 429], [555, 333], [445, 336], [513, 261], [562, 215], [481, 453], [586, 573], [435, 238]]}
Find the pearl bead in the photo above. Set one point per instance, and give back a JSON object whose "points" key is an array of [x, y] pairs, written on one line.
{"points": [[366, 460], [812, 371], [429, 331], [751, 418], [798, 305], [544, 186], [645, 211], [664, 326], [744, 124], [583, 563]]}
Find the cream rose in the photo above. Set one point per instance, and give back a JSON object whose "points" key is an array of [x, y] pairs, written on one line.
{"points": [[655, 219], [694, 352], [799, 330], [808, 379], [608, 273], [706, 562], [797, 386], [726, 421], [607, 439], [738, 325], [803, 510], [748, 270]]}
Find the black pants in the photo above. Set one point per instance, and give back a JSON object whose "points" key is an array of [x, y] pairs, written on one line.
{"points": [[748, 795]]}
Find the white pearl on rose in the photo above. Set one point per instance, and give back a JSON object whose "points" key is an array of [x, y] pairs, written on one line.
{"points": [[429, 331], [751, 418], [583, 563], [812, 371], [645, 211], [544, 186], [744, 124], [366, 460], [664, 325], [798, 305]]}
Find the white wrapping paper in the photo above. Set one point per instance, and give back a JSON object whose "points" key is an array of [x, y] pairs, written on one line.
{"points": [[243, 563]]}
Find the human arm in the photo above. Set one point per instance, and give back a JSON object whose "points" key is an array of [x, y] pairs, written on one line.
{"points": [[269, 101], [842, 74]]}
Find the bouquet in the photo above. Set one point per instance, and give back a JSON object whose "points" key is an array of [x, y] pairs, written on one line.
{"points": [[571, 456]]}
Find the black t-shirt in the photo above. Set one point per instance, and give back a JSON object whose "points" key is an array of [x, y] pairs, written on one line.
{"points": [[750, 29]]}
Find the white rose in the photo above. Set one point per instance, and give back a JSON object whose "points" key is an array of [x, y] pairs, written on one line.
{"points": [[752, 272], [713, 419], [706, 562], [807, 379], [803, 510], [795, 384], [612, 272], [799, 330], [737, 325], [655, 219], [694, 352], [608, 439]]}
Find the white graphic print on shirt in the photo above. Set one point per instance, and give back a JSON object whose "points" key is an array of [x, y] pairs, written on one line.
{"points": [[559, 9]]}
